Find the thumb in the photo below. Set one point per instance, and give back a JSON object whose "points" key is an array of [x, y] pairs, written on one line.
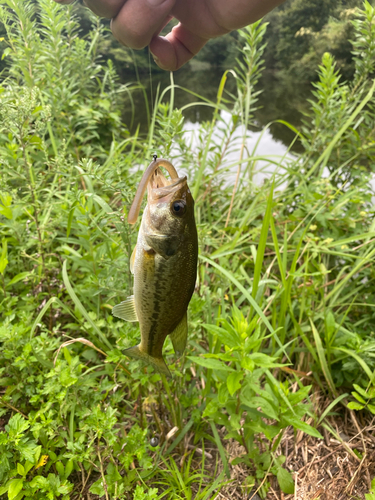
{"points": [[177, 48], [139, 20]]}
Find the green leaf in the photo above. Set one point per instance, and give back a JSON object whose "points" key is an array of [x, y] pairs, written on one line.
{"points": [[361, 391], [15, 486], [355, 406], [371, 408], [330, 323], [4, 489], [3, 257], [18, 278], [234, 382], [321, 162], [18, 424], [20, 469], [249, 298], [212, 364], [358, 398], [364, 365], [322, 358], [28, 465], [6, 201], [81, 308], [301, 425], [6, 211], [60, 469], [70, 218], [263, 360], [68, 468], [256, 402], [221, 449], [285, 481], [97, 488]]}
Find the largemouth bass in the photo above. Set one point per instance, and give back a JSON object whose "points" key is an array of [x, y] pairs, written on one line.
{"points": [[164, 264]]}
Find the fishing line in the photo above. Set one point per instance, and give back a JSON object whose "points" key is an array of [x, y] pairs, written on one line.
{"points": [[150, 74]]}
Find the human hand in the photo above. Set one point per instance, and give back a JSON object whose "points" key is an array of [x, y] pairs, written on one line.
{"points": [[137, 23]]}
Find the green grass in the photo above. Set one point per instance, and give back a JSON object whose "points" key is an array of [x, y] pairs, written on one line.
{"points": [[285, 278]]}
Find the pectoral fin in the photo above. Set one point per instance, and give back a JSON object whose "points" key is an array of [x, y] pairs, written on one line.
{"points": [[126, 310], [132, 259], [157, 363], [179, 336]]}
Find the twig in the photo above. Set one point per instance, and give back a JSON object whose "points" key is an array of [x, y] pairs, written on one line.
{"points": [[12, 407]]}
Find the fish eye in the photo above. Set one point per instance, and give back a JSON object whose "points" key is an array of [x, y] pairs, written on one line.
{"points": [[178, 208]]}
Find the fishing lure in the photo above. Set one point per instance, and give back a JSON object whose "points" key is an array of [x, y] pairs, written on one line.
{"points": [[164, 264]]}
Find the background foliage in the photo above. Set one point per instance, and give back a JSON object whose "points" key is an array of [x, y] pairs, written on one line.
{"points": [[284, 305]]}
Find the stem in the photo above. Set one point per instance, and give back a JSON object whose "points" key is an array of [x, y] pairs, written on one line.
{"points": [[235, 187], [102, 473], [2, 277]]}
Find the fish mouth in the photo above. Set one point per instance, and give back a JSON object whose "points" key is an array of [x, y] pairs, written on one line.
{"points": [[149, 177], [158, 192]]}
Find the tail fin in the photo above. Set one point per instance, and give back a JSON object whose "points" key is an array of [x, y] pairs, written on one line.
{"points": [[157, 363]]}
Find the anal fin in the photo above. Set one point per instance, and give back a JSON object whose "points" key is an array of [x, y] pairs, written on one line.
{"points": [[126, 310], [157, 363], [179, 336]]}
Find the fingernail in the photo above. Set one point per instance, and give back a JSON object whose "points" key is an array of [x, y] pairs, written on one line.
{"points": [[156, 3]]}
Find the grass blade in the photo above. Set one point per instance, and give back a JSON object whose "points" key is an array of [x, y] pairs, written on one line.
{"points": [[249, 298], [221, 449], [180, 436], [80, 307], [51, 301], [322, 358], [262, 243], [324, 157], [330, 406]]}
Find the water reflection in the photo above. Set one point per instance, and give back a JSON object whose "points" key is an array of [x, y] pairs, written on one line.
{"points": [[203, 83], [260, 145], [279, 100]]}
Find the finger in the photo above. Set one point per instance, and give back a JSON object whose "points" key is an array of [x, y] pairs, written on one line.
{"points": [[105, 8], [176, 49], [139, 20]]}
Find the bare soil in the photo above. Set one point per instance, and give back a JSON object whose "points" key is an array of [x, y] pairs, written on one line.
{"points": [[329, 469]]}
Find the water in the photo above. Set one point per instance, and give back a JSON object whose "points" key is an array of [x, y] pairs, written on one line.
{"points": [[259, 144], [277, 101]]}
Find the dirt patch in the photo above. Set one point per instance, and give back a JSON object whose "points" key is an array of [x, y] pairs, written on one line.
{"points": [[339, 467]]}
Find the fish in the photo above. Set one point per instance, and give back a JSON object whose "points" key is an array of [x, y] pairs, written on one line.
{"points": [[164, 264]]}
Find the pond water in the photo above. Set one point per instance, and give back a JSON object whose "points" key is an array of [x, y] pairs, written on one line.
{"points": [[277, 101], [260, 144]]}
